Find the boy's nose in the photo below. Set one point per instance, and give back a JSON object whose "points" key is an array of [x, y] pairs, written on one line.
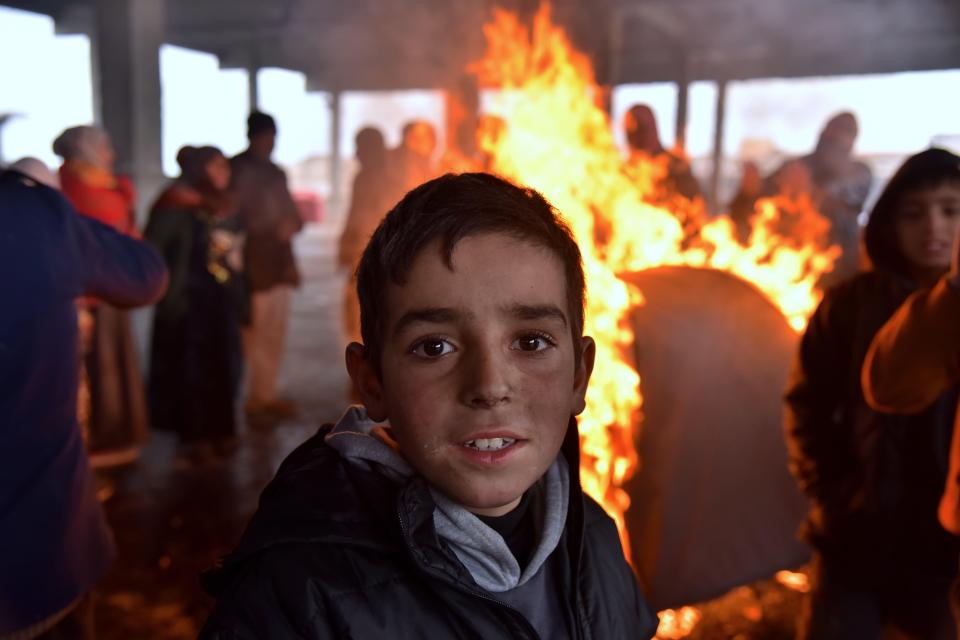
{"points": [[486, 379]]}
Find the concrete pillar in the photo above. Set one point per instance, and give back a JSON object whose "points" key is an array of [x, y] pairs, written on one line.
{"points": [[335, 204], [80, 19], [253, 87], [720, 120], [683, 98], [127, 41]]}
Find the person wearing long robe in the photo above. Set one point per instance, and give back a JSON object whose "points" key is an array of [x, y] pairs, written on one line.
{"points": [[196, 359], [117, 422]]}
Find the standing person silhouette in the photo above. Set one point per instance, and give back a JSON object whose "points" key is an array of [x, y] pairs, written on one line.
{"points": [[118, 417], [269, 218]]}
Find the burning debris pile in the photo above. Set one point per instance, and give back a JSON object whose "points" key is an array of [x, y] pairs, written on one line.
{"points": [[557, 138]]}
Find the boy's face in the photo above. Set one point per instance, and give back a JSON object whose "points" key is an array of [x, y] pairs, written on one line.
{"points": [[478, 374], [926, 225]]}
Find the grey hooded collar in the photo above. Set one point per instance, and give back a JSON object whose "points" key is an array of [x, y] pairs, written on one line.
{"points": [[482, 550]]}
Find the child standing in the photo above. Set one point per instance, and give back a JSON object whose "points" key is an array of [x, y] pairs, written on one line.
{"points": [[451, 505], [881, 560]]}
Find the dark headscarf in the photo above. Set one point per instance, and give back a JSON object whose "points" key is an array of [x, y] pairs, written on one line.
{"points": [[193, 163], [923, 170]]}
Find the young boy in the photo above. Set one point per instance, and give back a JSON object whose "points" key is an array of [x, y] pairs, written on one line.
{"points": [[450, 507], [915, 358], [882, 564]]}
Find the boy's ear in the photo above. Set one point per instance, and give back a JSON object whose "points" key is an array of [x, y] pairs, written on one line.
{"points": [[588, 353], [366, 382]]}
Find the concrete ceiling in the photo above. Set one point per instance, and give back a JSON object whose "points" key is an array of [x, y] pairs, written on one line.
{"points": [[395, 44]]}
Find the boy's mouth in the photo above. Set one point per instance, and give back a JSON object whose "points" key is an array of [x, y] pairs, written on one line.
{"points": [[489, 444]]}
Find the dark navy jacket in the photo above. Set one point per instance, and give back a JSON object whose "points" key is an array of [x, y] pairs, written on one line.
{"points": [[54, 540], [335, 551]]}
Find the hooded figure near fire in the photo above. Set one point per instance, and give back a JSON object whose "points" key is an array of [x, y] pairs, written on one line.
{"points": [[451, 506], [881, 560]]}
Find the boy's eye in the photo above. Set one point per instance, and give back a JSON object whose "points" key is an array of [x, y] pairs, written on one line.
{"points": [[532, 342], [432, 348]]}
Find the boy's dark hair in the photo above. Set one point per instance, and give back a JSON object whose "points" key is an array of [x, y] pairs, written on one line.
{"points": [[449, 209], [924, 170]]}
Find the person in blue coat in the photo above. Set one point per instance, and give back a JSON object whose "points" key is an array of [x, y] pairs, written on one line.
{"points": [[54, 540]]}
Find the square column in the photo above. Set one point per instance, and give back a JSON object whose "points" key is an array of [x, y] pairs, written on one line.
{"points": [[127, 39], [336, 204]]}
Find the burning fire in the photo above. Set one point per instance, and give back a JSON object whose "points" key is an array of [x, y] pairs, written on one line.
{"points": [[558, 139]]}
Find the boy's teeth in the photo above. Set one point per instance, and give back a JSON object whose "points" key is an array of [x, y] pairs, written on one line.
{"points": [[489, 444]]}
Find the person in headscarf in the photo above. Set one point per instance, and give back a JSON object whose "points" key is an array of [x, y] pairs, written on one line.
{"points": [[643, 140], [269, 219], [882, 563], [88, 181], [195, 352], [117, 422], [369, 202], [839, 186]]}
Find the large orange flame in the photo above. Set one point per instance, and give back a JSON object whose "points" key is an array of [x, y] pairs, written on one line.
{"points": [[558, 139]]}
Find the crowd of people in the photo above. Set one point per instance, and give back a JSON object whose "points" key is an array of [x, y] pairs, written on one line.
{"points": [[215, 258], [448, 502]]}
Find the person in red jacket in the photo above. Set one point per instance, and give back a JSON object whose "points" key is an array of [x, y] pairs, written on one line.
{"points": [[87, 179], [117, 423]]}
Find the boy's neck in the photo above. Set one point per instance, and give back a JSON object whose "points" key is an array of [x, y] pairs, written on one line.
{"points": [[926, 278], [495, 512]]}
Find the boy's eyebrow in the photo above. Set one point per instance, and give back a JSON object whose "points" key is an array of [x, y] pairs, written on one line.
{"points": [[442, 315], [433, 315], [537, 312]]}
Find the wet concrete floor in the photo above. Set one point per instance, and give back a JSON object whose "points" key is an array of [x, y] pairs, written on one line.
{"points": [[177, 509]]}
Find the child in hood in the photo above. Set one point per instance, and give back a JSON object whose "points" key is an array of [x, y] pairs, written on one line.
{"points": [[882, 562]]}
